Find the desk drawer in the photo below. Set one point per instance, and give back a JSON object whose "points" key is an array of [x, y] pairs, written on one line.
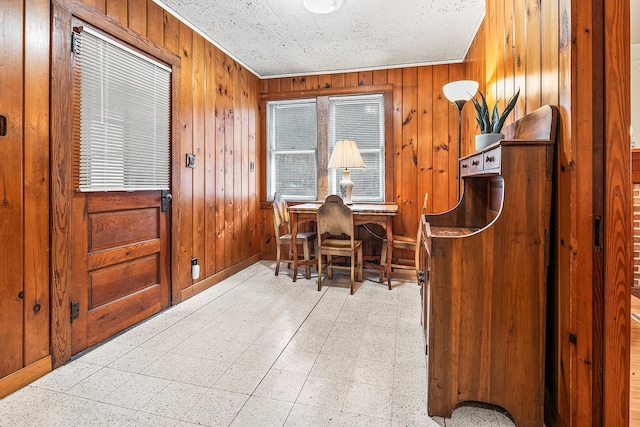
{"points": [[476, 163], [491, 160], [464, 167]]}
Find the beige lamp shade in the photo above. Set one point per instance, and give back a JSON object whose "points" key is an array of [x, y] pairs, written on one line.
{"points": [[461, 90], [346, 155]]}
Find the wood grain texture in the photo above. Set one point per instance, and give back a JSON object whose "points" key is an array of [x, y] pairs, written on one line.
{"points": [[618, 252], [211, 92], [486, 335], [198, 186], [36, 182], [182, 180], [11, 187], [61, 192], [117, 9]]}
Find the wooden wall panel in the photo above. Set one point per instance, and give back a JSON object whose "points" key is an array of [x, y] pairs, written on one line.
{"points": [[154, 24], [533, 66], [236, 153], [182, 179], [424, 137], [117, 9], [137, 16], [11, 186], [441, 150], [211, 92], [618, 250], [220, 113], [407, 166], [558, 58], [425, 134], [36, 181], [199, 149]]}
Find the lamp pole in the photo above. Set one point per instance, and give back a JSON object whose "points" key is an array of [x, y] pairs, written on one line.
{"points": [[459, 104], [459, 92]]}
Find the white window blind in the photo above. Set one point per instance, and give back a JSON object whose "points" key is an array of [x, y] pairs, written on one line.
{"points": [[292, 146], [124, 114], [360, 118]]}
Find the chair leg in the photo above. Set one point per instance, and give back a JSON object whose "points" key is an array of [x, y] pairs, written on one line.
{"points": [[307, 257], [319, 256], [383, 260], [353, 261], [359, 265], [277, 258], [290, 256], [329, 266], [417, 261]]}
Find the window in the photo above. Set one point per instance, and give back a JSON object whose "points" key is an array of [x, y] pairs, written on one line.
{"points": [[123, 134], [360, 118], [292, 149], [298, 149]]}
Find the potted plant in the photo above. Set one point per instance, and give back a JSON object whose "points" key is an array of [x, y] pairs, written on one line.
{"points": [[491, 125]]}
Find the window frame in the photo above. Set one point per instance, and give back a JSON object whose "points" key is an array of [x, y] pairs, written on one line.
{"points": [[84, 179], [322, 99]]}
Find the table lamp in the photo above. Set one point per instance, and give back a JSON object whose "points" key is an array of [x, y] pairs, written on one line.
{"points": [[346, 155], [459, 92]]}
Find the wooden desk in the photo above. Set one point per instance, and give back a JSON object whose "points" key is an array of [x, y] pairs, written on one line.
{"points": [[484, 278], [381, 214]]}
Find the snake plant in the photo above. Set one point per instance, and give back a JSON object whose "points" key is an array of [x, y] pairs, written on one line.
{"points": [[493, 123]]}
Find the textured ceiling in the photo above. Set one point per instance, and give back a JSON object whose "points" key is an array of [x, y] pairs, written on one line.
{"points": [[275, 38]]}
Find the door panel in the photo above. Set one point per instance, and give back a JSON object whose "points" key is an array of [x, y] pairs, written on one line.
{"points": [[122, 247]]}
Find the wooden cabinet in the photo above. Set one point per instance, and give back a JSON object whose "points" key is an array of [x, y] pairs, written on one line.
{"points": [[485, 270]]}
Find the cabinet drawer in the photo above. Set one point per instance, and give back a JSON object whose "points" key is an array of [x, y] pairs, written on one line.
{"points": [[491, 160], [464, 167], [476, 163]]}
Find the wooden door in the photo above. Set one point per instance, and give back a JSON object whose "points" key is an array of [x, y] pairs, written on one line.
{"points": [[120, 263]]}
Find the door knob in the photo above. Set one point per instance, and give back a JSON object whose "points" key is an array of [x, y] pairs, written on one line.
{"points": [[166, 197]]}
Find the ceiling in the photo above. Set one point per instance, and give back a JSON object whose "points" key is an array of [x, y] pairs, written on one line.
{"points": [[277, 38]]}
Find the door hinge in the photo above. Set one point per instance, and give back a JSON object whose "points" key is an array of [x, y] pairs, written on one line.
{"points": [[75, 310], [74, 42], [597, 233]]}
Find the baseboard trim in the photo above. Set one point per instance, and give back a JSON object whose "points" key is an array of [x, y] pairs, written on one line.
{"points": [[205, 284], [24, 376]]}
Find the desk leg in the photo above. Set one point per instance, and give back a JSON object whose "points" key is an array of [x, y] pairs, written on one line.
{"points": [[389, 249], [294, 247]]}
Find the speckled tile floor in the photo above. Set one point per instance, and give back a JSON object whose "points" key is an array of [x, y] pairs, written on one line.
{"points": [[254, 350]]}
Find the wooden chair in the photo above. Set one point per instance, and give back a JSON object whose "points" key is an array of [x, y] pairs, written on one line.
{"points": [[281, 219], [407, 243], [336, 238]]}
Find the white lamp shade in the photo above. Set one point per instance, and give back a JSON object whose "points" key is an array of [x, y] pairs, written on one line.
{"points": [[346, 155], [461, 90], [322, 6]]}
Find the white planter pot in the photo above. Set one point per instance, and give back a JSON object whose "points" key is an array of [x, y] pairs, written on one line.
{"points": [[486, 139]]}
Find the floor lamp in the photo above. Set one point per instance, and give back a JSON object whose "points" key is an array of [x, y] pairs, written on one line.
{"points": [[459, 92]]}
